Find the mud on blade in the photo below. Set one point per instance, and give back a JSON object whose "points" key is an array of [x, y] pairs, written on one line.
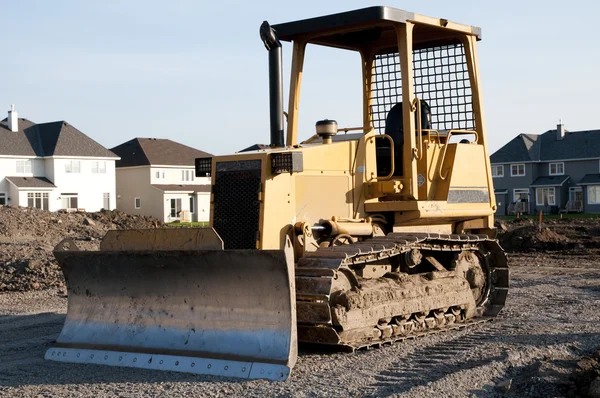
{"points": [[219, 312]]}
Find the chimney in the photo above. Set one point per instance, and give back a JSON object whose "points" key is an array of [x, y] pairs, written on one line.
{"points": [[560, 131], [13, 119]]}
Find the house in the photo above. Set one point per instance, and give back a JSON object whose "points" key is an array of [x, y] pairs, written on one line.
{"points": [[156, 177], [255, 147], [53, 166], [555, 171]]}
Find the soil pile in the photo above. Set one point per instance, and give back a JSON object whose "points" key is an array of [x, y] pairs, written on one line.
{"points": [[525, 235], [28, 236], [531, 237], [586, 379]]}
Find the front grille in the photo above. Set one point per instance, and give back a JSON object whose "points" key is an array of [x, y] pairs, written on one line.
{"points": [[236, 207]]}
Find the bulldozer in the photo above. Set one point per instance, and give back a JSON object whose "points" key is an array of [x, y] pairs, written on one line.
{"points": [[357, 236]]}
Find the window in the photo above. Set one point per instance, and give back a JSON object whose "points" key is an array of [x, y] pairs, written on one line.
{"points": [[2, 198], [99, 167], [137, 203], [498, 171], [73, 166], [557, 169], [545, 197], [517, 170], [521, 194], [192, 204], [187, 175], [159, 174], [593, 194], [24, 166], [38, 200], [69, 201], [175, 207], [576, 193], [106, 201]]}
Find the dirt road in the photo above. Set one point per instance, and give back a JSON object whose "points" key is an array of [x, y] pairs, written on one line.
{"points": [[550, 323]]}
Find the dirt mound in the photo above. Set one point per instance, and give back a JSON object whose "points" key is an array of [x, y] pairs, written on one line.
{"points": [[28, 235], [531, 237], [586, 378], [523, 234]]}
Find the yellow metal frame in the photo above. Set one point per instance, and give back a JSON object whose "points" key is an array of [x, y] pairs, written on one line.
{"points": [[432, 166]]}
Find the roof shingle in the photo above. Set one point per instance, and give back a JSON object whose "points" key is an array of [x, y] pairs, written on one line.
{"points": [[546, 147], [549, 181], [48, 139], [590, 179], [156, 151], [31, 182]]}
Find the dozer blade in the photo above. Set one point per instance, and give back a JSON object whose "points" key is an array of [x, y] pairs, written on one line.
{"points": [[216, 312]]}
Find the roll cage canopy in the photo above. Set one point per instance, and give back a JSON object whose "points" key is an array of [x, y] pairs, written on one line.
{"points": [[373, 27]]}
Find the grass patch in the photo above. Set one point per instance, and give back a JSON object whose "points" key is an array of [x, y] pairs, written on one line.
{"points": [[188, 224]]}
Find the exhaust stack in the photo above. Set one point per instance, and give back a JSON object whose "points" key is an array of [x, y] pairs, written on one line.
{"points": [[273, 45]]}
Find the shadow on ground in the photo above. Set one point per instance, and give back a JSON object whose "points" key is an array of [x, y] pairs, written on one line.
{"points": [[25, 339], [432, 363]]}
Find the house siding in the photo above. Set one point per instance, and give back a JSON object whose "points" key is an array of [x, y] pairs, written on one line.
{"points": [[89, 187], [511, 183], [173, 176], [588, 207], [135, 183], [502, 204], [574, 169], [13, 194], [578, 169]]}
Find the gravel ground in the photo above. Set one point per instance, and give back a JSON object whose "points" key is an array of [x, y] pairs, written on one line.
{"points": [[550, 323]]}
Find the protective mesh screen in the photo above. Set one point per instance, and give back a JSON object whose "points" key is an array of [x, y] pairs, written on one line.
{"points": [[441, 78], [386, 88]]}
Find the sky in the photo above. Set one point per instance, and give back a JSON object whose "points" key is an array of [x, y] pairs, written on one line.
{"points": [[196, 72]]}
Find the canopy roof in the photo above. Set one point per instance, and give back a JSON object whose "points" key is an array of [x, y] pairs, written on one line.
{"points": [[372, 27]]}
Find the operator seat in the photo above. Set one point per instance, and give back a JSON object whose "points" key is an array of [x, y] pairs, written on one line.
{"points": [[394, 127]]}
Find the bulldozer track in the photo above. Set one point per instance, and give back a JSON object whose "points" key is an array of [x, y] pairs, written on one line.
{"points": [[316, 272]]}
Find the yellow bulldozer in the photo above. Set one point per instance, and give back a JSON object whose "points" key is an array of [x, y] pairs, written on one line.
{"points": [[358, 236]]}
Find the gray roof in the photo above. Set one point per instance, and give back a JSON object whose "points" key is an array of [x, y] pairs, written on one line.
{"points": [[546, 147], [48, 139], [19, 143], [183, 188], [31, 182], [255, 147], [552, 181], [156, 151], [590, 179]]}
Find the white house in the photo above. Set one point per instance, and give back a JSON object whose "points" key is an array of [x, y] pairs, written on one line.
{"points": [[156, 177], [54, 166]]}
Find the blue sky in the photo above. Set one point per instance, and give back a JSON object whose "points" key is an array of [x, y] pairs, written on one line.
{"points": [[196, 71]]}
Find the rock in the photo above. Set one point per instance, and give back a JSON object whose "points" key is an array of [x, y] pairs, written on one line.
{"points": [[514, 357], [501, 225], [594, 390], [504, 385], [87, 221]]}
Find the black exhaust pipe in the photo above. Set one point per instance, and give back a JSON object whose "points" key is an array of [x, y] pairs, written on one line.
{"points": [[273, 45]]}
